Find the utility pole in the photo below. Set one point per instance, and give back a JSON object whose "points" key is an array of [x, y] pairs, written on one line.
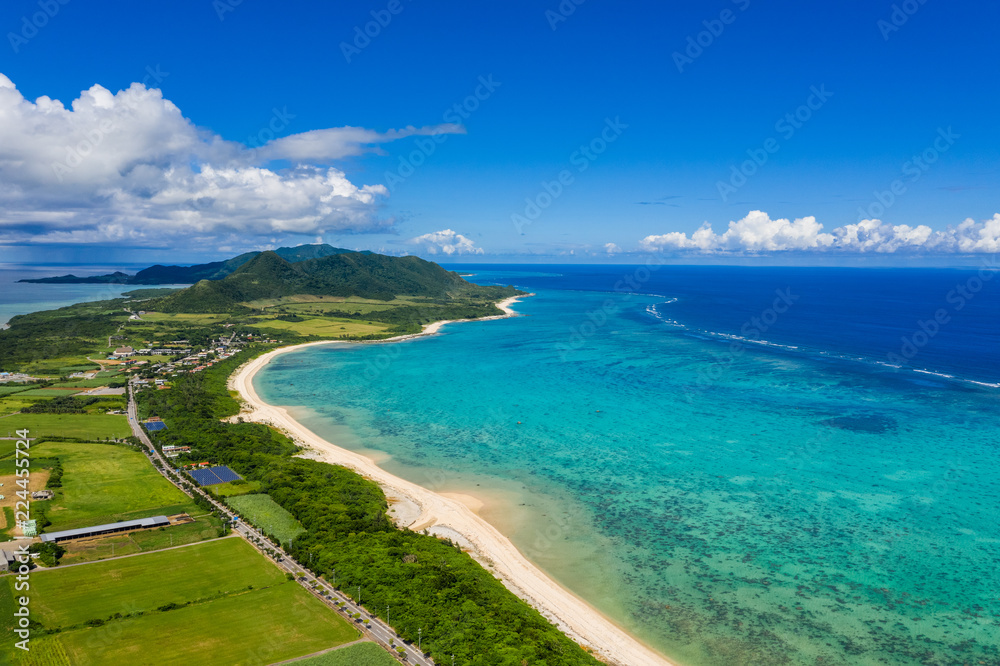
{"points": [[420, 635]]}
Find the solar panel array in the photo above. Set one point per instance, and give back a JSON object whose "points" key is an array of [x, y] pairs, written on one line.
{"points": [[212, 476], [155, 425]]}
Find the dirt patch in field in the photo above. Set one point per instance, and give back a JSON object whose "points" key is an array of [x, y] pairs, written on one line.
{"points": [[9, 488]]}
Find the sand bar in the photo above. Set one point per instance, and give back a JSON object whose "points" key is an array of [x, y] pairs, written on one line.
{"points": [[450, 515]]}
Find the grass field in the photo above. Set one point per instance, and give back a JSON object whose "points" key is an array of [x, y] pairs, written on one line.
{"points": [[51, 392], [68, 596], [80, 426], [258, 627], [265, 513], [360, 654], [324, 327], [7, 389], [228, 489], [275, 621], [103, 483]]}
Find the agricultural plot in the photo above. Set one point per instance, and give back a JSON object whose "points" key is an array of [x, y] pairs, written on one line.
{"points": [[77, 426], [102, 483], [323, 327], [235, 488], [142, 541], [69, 596], [266, 514], [359, 654], [186, 606]]}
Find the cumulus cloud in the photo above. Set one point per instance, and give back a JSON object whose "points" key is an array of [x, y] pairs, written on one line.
{"points": [[757, 233], [612, 248], [128, 167], [446, 242]]}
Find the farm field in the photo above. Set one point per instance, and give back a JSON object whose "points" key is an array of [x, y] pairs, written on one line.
{"points": [[79, 426], [359, 654], [325, 327], [143, 541], [103, 483], [226, 623], [69, 596], [256, 627], [266, 514], [232, 489]]}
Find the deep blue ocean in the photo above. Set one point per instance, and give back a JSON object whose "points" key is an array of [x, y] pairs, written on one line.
{"points": [[738, 465]]}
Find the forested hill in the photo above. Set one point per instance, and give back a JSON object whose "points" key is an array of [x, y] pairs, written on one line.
{"points": [[215, 270], [372, 276]]}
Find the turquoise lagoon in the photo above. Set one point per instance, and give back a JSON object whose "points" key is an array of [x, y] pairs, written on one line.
{"points": [[726, 502]]}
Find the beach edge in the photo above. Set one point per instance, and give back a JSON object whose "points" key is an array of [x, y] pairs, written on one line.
{"points": [[492, 549]]}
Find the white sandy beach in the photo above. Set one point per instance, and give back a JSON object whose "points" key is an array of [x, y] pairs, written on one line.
{"points": [[453, 516]]}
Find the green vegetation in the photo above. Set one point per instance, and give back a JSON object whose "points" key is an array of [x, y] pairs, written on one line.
{"points": [[142, 541], [103, 483], [68, 426], [372, 276], [263, 512], [260, 626], [359, 654], [230, 489], [70, 596], [430, 583], [218, 602]]}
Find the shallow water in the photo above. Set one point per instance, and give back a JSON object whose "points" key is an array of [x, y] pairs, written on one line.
{"points": [[727, 502]]}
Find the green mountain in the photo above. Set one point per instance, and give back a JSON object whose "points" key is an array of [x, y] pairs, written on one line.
{"points": [[215, 270], [268, 275]]}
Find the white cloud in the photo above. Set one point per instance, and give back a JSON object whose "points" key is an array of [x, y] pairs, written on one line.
{"points": [[338, 142], [130, 168], [446, 242], [757, 233], [612, 248]]}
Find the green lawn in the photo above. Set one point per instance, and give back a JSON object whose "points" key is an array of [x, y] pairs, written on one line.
{"points": [[323, 327], [7, 389], [103, 483], [80, 426], [224, 623], [258, 627], [229, 489], [266, 514], [360, 654], [68, 596]]}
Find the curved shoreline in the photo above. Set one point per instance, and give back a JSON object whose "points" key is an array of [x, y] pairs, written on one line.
{"points": [[450, 516]]}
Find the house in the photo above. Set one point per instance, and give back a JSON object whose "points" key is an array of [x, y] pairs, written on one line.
{"points": [[7, 560]]}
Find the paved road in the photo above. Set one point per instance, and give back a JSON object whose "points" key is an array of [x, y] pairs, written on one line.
{"points": [[377, 630]]}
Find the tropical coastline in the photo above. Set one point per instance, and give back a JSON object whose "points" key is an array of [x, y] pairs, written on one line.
{"points": [[457, 517]]}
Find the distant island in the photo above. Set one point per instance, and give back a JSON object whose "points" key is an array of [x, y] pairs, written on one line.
{"points": [[215, 270]]}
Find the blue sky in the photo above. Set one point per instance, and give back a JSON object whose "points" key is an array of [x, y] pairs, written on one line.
{"points": [[686, 96]]}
